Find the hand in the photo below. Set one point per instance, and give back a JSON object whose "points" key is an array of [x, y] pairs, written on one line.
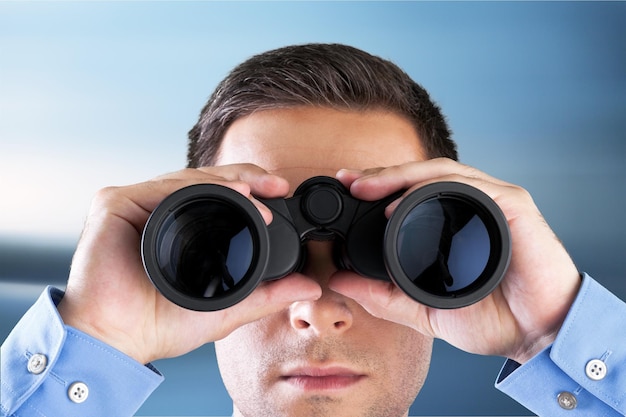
{"points": [[522, 315], [110, 297]]}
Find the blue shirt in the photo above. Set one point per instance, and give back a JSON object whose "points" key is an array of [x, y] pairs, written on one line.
{"points": [[50, 369]]}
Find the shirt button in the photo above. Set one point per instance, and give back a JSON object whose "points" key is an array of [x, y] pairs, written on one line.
{"points": [[78, 392], [566, 400], [37, 363], [596, 369]]}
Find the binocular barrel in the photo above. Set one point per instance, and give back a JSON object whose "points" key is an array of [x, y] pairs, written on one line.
{"points": [[446, 245]]}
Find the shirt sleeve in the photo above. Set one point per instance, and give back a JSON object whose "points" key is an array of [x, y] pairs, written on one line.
{"points": [[49, 369], [583, 373]]}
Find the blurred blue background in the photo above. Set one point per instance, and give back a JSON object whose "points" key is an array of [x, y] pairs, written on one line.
{"points": [[103, 93]]}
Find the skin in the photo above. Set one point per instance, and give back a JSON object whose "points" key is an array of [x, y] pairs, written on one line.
{"points": [[322, 317], [333, 330]]}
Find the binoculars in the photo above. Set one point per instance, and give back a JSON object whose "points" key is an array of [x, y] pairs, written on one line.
{"points": [[446, 245]]}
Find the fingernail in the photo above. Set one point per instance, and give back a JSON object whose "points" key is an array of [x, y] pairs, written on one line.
{"points": [[348, 171], [391, 207]]}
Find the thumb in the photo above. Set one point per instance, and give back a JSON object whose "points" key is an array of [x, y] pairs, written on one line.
{"points": [[271, 297], [382, 299]]}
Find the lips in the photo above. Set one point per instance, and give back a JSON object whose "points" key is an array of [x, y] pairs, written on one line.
{"points": [[322, 378]]}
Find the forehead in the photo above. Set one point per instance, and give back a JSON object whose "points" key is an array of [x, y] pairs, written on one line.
{"points": [[301, 142]]}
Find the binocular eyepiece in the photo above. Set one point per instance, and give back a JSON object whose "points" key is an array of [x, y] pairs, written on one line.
{"points": [[446, 245]]}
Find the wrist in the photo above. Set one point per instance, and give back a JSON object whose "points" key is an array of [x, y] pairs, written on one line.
{"points": [[533, 348], [75, 318], [536, 341]]}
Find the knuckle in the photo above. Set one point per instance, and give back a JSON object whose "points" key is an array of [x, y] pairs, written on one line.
{"points": [[520, 193], [105, 201], [449, 164], [107, 194]]}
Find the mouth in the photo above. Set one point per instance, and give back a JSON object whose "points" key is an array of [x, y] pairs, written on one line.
{"points": [[322, 378]]}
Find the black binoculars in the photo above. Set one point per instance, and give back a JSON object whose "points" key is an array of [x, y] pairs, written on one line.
{"points": [[446, 245]]}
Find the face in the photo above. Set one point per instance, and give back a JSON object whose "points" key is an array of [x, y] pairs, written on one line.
{"points": [[328, 357]]}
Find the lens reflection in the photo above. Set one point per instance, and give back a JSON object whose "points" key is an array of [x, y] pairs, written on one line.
{"points": [[205, 248], [443, 246]]}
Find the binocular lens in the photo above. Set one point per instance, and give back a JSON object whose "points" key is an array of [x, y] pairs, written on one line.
{"points": [[448, 249], [205, 248]]}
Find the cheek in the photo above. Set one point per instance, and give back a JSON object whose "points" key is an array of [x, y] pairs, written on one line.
{"points": [[236, 371], [408, 356], [403, 359], [240, 354], [415, 357], [410, 371]]}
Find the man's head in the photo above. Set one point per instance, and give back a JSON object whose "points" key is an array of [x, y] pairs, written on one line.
{"points": [[300, 112], [319, 75]]}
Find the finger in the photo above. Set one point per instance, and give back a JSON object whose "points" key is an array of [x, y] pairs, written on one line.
{"points": [[244, 178], [382, 299], [252, 181], [268, 298], [347, 176], [379, 183], [135, 202], [262, 183]]}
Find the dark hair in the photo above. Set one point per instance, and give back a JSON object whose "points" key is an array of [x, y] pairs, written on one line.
{"points": [[328, 75]]}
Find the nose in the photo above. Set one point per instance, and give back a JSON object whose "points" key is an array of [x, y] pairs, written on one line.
{"points": [[331, 313], [327, 316]]}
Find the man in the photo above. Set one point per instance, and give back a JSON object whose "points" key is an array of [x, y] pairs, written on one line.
{"points": [[324, 341]]}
